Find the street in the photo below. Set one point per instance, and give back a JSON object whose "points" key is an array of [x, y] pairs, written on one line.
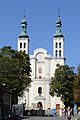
{"points": [[48, 118]]}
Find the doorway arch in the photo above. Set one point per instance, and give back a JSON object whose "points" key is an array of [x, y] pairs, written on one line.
{"points": [[39, 105]]}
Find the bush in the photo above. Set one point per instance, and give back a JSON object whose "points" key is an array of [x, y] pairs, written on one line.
{"points": [[78, 118]]}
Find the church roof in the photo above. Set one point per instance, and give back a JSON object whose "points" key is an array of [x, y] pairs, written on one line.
{"points": [[23, 26], [58, 28]]}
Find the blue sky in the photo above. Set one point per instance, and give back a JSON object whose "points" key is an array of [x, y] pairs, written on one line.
{"points": [[41, 17]]}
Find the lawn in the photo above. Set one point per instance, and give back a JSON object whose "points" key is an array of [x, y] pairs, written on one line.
{"points": [[78, 118]]}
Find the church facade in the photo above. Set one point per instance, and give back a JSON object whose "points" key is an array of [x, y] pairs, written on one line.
{"points": [[43, 68]]}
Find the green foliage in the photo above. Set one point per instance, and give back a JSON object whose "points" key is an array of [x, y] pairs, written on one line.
{"points": [[78, 70], [77, 86], [62, 83], [78, 118], [7, 51], [14, 69]]}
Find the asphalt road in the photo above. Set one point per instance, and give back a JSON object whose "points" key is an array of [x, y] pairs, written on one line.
{"points": [[48, 118]]}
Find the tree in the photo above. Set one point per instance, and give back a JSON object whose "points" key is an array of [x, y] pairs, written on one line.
{"points": [[77, 86], [14, 70], [62, 84]]}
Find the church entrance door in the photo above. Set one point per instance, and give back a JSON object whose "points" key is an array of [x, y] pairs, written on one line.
{"points": [[39, 105]]}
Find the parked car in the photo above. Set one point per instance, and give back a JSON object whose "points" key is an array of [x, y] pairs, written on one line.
{"points": [[6, 116], [11, 116], [15, 117]]}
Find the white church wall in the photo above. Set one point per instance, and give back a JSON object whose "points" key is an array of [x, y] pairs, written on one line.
{"points": [[23, 40], [47, 67], [33, 67], [48, 98]]}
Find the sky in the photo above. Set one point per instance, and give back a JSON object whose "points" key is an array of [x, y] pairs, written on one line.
{"points": [[41, 16]]}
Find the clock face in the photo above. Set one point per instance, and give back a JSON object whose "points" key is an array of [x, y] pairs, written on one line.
{"points": [[40, 57]]}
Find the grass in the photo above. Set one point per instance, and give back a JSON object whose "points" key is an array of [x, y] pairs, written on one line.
{"points": [[78, 118]]}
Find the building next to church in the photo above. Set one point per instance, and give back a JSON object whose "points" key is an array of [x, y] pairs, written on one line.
{"points": [[5, 99], [43, 68]]}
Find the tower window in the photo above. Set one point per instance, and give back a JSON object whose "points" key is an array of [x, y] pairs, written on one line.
{"points": [[56, 53], [40, 91], [24, 45], [59, 53], [60, 45], [40, 77], [40, 70], [56, 45], [20, 45]]}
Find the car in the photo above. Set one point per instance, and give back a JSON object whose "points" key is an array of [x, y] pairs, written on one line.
{"points": [[15, 117], [6, 116], [11, 116]]}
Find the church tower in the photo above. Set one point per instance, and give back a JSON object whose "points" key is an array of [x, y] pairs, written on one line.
{"points": [[58, 42], [23, 39]]}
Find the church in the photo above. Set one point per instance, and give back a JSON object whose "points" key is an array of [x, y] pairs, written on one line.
{"points": [[43, 68]]}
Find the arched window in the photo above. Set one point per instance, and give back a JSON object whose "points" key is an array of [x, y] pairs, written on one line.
{"points": [[20, 45], [56, 45], [59, 53], [40, 91], [40, 77], [56, 53], [60, 45], [24, 45], [40, 70]]}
